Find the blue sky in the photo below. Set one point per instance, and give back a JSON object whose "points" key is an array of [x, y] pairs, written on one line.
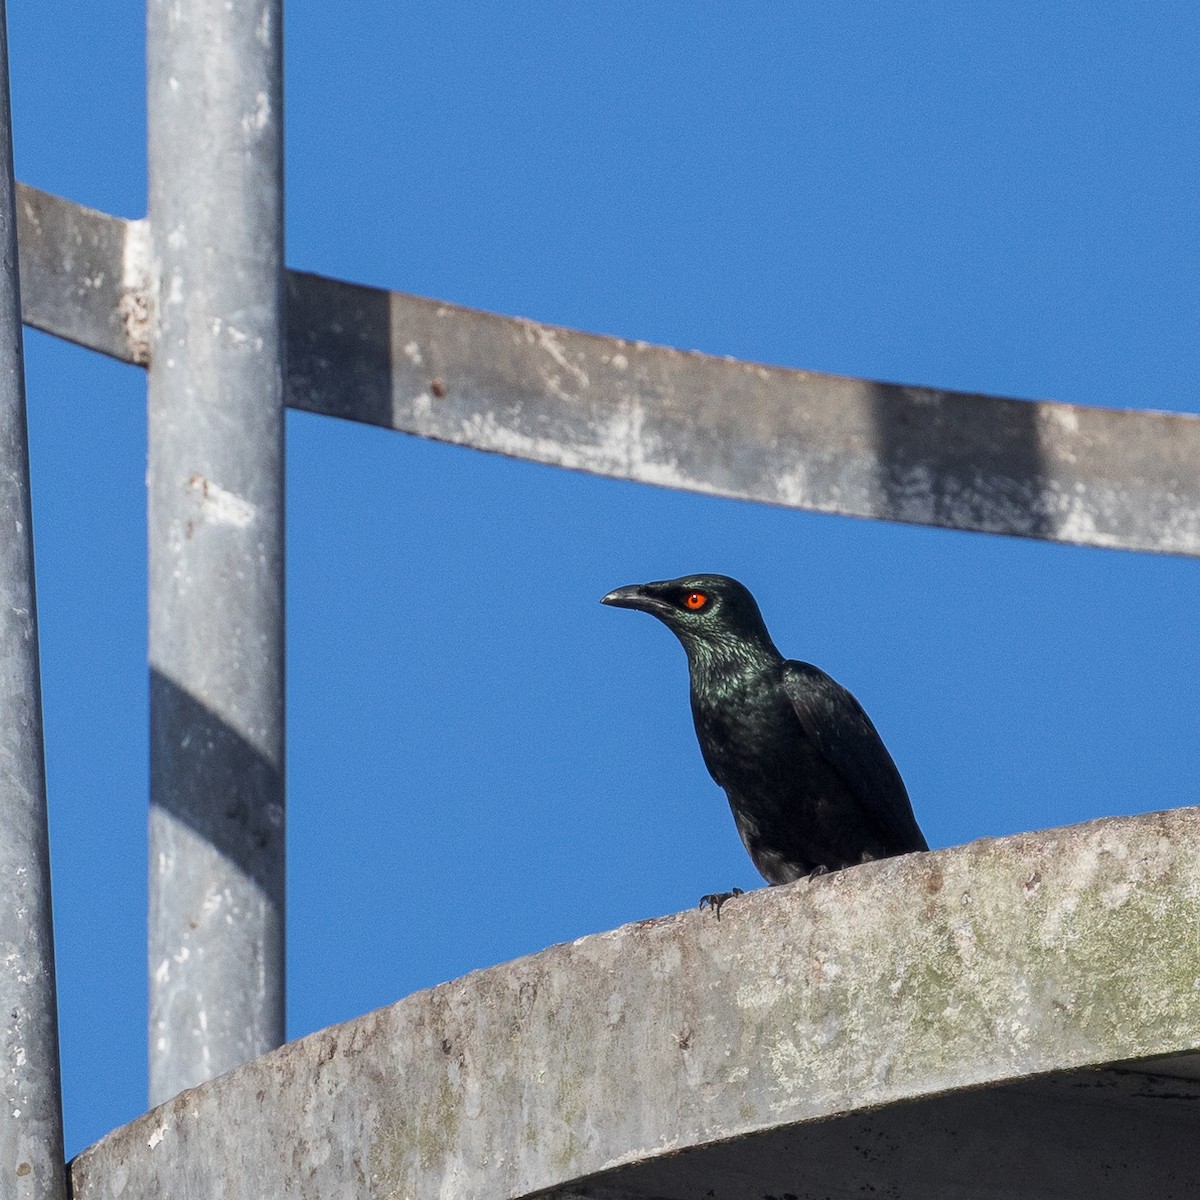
{"points": [[483, 760]]}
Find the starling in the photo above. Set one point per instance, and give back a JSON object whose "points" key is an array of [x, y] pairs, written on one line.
{"points": [[810, 782]]}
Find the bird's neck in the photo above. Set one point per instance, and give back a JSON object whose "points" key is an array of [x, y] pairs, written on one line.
{"points": [[714, 663]]}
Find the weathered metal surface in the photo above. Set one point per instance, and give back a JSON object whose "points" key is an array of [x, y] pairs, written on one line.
{"points": [[215, 480], [904, 980], [89, 275], [1062, 472], [1072, 473], [31, 1128]]}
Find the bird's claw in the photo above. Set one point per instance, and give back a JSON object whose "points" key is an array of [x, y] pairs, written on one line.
{"points": [[714, 900]]}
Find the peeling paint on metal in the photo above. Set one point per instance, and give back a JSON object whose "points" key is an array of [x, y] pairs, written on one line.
{"points": [[221, 507]]}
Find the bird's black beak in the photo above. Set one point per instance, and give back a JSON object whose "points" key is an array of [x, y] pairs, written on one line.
{"points": [[635, 595]]}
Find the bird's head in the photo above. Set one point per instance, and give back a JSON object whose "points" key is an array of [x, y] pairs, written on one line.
{"points": [[710, 614]]}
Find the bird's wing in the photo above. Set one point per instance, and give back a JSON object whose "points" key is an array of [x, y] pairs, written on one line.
{"points": [[842, 731]]}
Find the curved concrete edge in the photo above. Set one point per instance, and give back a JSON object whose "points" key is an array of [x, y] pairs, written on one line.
{"points": [[987, 963], [1099, 1134]]}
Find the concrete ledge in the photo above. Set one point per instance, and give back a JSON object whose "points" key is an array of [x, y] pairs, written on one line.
{"points": [[1095, 1135], [898, 981]]}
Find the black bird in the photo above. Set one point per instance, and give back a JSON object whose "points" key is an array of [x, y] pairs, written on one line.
{"points": [[810, 782]]}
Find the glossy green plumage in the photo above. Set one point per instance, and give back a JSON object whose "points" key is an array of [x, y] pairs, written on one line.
{"points": [[810, 783]]}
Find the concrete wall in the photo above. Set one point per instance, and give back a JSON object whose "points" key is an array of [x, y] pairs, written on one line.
{"points": [[708, 1050]]}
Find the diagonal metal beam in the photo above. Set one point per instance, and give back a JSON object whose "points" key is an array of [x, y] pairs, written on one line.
{"points": [[1121, 479], [88, 275]]}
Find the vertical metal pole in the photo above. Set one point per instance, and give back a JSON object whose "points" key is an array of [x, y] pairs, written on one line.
{"points": [[216, 937], [31, 1132]]}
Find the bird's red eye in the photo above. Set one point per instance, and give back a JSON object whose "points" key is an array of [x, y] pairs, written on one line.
{"points": [[696, 600]]}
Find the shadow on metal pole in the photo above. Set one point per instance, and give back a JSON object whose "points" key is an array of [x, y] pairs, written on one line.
{"points": [[215, 479], [31, 1136]]}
